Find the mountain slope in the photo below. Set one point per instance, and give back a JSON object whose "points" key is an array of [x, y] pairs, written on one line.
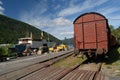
{"points": [[69, 41], [11, 30]]}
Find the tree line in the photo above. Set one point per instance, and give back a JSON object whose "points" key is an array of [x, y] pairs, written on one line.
{"points": [[115, 32]]}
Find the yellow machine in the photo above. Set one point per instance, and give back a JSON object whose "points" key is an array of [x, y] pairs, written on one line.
{"points": [[61, 47], [51, 49]]}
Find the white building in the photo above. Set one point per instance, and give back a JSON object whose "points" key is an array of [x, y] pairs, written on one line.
{"points": [[34, 44]]}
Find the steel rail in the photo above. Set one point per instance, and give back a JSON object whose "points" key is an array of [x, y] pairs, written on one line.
{"points": [[18, 74]]}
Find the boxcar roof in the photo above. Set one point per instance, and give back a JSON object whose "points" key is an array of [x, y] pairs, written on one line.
{"points": [[88, 14]]}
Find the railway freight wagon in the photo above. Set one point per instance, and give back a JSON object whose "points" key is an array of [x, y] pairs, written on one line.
{"points": [[91, 34]]}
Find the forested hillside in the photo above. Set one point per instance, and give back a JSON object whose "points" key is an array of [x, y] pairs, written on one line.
{"points": [[68, 41], [11, 30]]}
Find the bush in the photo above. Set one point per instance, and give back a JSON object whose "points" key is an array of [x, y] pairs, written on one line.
{"points": [[5, 52]]}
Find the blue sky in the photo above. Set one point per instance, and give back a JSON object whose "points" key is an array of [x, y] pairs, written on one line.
{"points": [[56, 16]]}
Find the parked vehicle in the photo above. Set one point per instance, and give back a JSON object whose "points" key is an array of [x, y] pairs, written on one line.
{"points": [[61, 47]]}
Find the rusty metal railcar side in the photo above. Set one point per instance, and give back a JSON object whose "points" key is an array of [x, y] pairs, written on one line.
{"points": [[91, 32]]}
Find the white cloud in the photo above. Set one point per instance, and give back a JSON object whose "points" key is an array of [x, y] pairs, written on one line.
{"points": [[67, 33], [58, 23], [73, 8], [62, 21], [108, 10], [113, 19], [51, 25], [98, 3], [1, 8], [39, 8], [56, 26], [1, 3], [57, 7], [69, 11], [61, 32], [46, 21], [34, 17]]}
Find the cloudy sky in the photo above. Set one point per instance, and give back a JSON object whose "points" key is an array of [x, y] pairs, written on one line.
{"points": [[56, 16]]}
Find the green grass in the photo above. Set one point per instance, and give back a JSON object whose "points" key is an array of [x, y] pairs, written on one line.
{"points": [[68, 62], [118, 50], [118, 74]]}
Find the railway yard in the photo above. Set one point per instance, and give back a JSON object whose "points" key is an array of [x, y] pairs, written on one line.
{"points": [[91, 58], [54, 66]]}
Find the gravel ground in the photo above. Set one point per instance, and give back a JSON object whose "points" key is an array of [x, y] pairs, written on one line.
{"points": [[89, 66]]}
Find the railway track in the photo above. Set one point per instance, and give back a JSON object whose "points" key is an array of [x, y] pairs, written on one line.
{"points": [[49, 73], [52, 73], [82, 74], [24, 62], [55, 73], [99, 75], [20, 73], [44, 71]]}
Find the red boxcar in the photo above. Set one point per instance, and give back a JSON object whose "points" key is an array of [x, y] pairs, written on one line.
{"points": [[91, 32]]}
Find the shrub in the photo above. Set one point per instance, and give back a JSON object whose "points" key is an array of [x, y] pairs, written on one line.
{"points": [[5, 52]]}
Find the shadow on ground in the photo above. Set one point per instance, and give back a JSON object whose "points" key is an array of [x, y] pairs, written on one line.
{"points": [[113, 55]]}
